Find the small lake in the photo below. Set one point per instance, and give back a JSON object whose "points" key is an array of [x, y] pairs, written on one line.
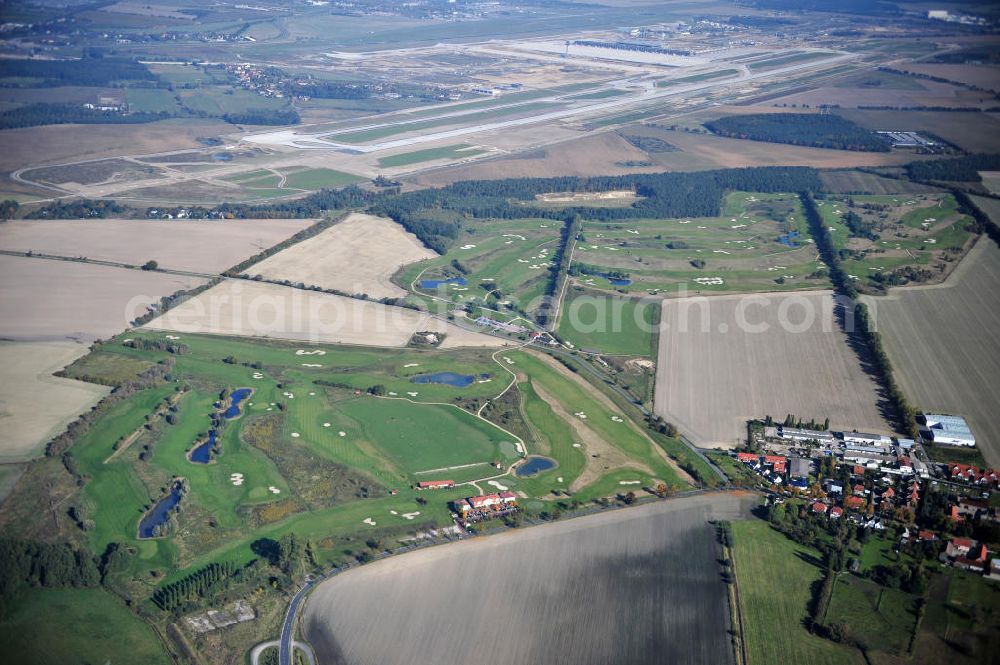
{"points": [[534, 465], [435, 283], [447, 378], [238, 396], [789, 239], [615, 281], [160, 513], [203, 453]]}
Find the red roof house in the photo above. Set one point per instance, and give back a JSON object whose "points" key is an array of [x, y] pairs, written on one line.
{"points": [[929, 536], [836, 512], [748, 458], [819, 508], [854, 503], [435, 484]]}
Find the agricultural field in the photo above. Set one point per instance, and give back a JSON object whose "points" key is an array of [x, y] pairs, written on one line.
{"points": [[662, 594], [701, 151], [605, 153], [206, 246], [251, 309], [76, 626], [971, 131], [726, 359], [497, 264], [55, 300], [34, 405], [457, 151], [926, 332], [848, 182], [357, 255], [897, 239], [761, 242], [773, 613]]}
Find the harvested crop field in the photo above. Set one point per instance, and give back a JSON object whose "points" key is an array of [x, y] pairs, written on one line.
{"points": [[208, 246], [852, 182], [42, 299], [34, 405], [726, 359], [357, 255], [944, 343], [252, 309], [598, 154], [653, 587]]}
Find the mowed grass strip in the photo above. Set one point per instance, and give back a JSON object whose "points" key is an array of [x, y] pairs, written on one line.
{"points": [[776, 576], [695, 78], [459, 150], [361, 136], [312, 179]]}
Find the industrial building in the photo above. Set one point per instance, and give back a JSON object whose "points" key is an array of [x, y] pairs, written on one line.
{"points": [[950, 430], [797, 434]]}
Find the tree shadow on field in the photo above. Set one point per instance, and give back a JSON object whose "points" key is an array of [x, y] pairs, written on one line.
{"points": [[858, 345], [266, 548]]}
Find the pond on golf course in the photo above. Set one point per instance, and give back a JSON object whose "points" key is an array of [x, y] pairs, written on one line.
{"points": [[448, 378], [534, 465], [160, 513], [238, 396]]}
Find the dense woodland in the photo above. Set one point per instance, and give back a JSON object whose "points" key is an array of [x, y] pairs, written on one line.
{"points": [[808, 129], [32, 115], [958, 169], [88, 71]]}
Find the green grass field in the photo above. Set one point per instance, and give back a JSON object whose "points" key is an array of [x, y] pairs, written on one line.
{"points": [[313, 179], [882, 619], [76, 627], [506, 262], [618, 326], [739, 251], [697, 78], [365, 135], [457, 151], [775, 577], [913, 232], [151, 100], [790, 59]]}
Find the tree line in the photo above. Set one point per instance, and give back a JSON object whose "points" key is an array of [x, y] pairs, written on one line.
{"points": [[807, 129], [863, 330], [88, 71], [956, 169]]}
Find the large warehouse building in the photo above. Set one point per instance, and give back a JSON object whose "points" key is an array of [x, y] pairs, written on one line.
{"points": [[950, 430]]}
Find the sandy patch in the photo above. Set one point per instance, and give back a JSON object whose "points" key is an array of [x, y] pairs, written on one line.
{"points": [[252, 309], [496, 484], [357, 255], [207, 246], [34, 405]]}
